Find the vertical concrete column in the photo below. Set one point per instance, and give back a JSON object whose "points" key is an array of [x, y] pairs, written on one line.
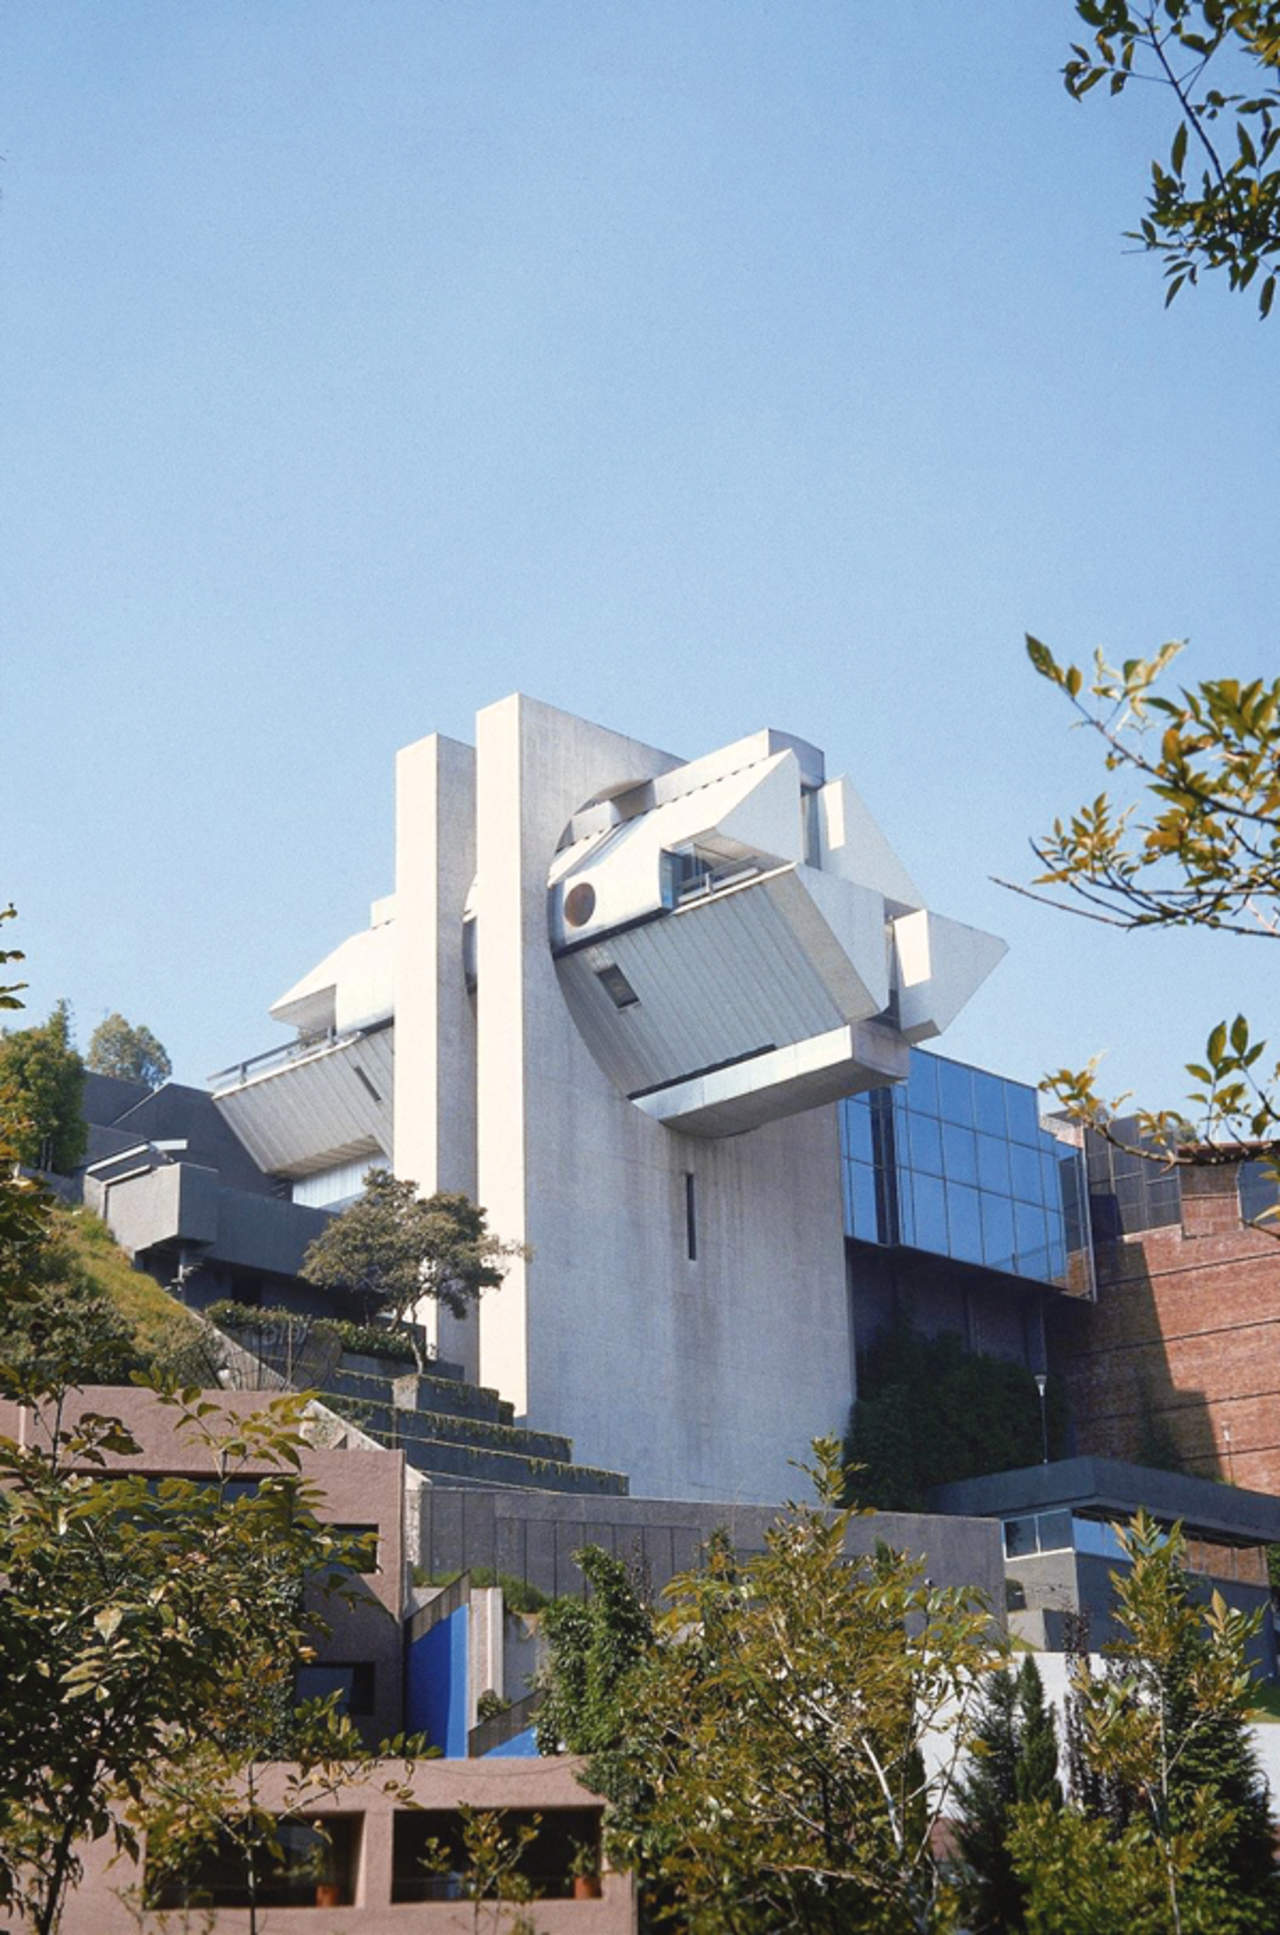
{"points": [[501, 1099], [535, 767], [435, 1088]]}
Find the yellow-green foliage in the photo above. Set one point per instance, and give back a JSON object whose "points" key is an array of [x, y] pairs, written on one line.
{"points": [[157, 1320]]}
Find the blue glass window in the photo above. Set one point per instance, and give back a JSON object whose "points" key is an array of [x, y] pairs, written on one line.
{"points": [[1024, 1165], [1013, 1195], [1031, 1236], [955, 1092], [862, 1200], [922, 1084], [993, 1163], [959, 1153], [926, 1144], [1258, 1193], [1023, 1112], [857, 1129], [965, 1219], [997, 1231], [988, 1103], [930, 1199], [1050, 1159]]}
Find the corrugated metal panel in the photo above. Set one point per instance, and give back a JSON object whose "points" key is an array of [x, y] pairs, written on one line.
{"points": [[331, 1188], [721, 979], [330, 1107]]}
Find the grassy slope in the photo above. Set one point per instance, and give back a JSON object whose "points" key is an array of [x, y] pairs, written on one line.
{"points": [[153, 1315]]}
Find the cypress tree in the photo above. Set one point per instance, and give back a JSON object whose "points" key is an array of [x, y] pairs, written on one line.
{"points": [[1016, 1759], [1035, 1775], [992, 1893]]}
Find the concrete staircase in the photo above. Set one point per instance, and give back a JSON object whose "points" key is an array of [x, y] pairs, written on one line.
{"points": [[460, 1433]]}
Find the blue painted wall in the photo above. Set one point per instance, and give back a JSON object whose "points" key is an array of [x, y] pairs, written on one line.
{"points": [[521, 1746], [436, 1685]]}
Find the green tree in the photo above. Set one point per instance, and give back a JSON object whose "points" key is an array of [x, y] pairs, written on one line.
{"points": [[1014, 1758], [141, 1626], [1193, 839], [766, 1770], [42, 1093], [591, 1645], [9, 994], [116, 1047], [1215, 204], [1201, 849], [1167, 1726], [149, 1634], [392, 1249]]}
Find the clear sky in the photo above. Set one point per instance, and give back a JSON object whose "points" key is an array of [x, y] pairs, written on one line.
{"points": [[694, 367]]}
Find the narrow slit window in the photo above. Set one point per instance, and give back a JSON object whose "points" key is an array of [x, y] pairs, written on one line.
{"points": [[690, 1217], [617, 987]]}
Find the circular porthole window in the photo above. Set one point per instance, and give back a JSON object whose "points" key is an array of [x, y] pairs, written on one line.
{"points": [[580, 904]]}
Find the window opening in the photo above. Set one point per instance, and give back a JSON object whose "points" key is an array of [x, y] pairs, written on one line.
{"points": [[617, 987], [690, 1217]]}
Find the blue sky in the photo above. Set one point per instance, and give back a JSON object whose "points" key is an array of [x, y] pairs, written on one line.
{"points": [[692, 367]]}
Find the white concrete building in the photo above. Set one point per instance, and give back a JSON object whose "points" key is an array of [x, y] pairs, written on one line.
{"points": [[613, 998]]}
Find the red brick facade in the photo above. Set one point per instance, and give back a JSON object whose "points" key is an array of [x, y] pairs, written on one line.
{"points": [[1179, 1360]]}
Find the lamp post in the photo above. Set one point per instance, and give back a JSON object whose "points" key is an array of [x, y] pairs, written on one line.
{"points": [[1041, 1385]]}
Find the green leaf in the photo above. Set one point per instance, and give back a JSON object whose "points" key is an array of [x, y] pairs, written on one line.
{"points": [[1178, 153], [1041, 657], [108, 1621]]}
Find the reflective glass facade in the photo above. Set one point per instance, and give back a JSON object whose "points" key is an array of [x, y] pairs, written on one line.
{"points": [[1129, 1193], [954, 1161]]}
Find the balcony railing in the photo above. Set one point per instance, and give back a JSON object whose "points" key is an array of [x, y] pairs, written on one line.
{"points": [[271, 1058]]}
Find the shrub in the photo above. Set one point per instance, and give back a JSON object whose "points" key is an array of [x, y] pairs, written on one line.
{"points": [[931, 1412]]}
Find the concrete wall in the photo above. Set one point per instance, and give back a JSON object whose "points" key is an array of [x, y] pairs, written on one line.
{"points": [[106, 1901], [700, 1379], [534, 1534], [356, 1487], [435, 1088], [181, 1204]]}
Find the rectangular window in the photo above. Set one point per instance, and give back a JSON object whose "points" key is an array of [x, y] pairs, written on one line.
{"points": [[690, 1217], [354, 1684], [315, 1868], [617, 987], [430, 1859]]}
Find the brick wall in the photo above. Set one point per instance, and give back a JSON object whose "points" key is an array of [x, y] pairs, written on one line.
{"points": [[1180, 1356]]}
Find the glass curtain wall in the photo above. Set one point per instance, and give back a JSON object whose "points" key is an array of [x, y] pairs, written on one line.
{"points": [[955, 1162]]}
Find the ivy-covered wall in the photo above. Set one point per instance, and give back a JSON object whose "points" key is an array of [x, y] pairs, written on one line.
{"points": [[931, 1412]]}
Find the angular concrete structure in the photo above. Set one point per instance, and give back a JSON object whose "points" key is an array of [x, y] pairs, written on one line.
{"points": [[623, 992]]}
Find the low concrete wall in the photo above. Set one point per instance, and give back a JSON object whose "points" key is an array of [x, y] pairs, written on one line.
{"points": [[533, 1535], [105, 1903]]}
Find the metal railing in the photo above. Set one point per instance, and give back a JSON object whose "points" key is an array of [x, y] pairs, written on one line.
{"points": [[290, 1051]]}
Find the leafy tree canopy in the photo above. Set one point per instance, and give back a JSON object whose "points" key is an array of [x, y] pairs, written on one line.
{"points": [[1186, 1841], [116, 1047], [149, 1634], [1014, 1758], [1195, 841], [393, 1248], [761, 1748], [1215, 203], [42, 1093]]}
